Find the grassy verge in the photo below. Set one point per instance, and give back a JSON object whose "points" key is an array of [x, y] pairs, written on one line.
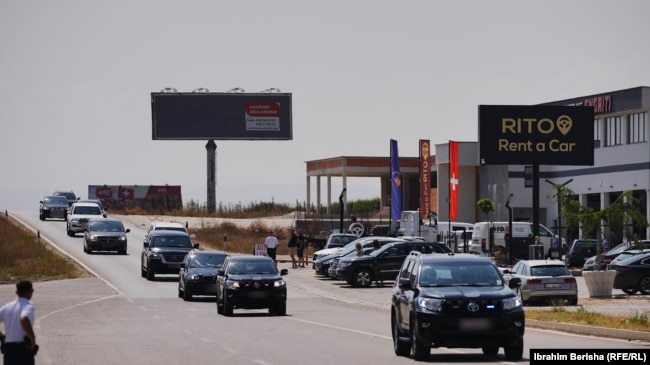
{"points": [[635, 322]]}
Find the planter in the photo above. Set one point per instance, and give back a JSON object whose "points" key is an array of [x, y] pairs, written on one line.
{"points": [[599, 283]]}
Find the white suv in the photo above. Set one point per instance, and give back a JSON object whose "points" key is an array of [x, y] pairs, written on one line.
{"points": [[169, 226], [78, 216]]}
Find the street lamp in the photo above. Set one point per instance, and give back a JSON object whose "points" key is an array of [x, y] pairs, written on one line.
{"points": [[559, 207], [509, 237]]}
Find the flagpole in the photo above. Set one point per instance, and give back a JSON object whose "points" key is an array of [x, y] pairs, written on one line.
{"points": [[449, 195]]}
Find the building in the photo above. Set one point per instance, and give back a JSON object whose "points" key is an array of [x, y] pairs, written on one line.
{"points": [[621, 163]]}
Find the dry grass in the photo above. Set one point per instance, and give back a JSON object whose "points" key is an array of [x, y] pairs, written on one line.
{"points": [[635, 322], [25, 258]]}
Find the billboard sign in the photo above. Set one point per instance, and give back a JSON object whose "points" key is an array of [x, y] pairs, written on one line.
{"points": [[541, 134], [221, 116]]}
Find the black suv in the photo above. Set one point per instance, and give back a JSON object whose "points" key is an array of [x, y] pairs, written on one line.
{"points": [[580, 250], [70, 195], [53, 206], [455, 301], [198, 274], [383, 263], [251, 282], [164, 253]]}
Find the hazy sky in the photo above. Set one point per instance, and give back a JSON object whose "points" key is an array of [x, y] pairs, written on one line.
{"points": [[76, 79]]}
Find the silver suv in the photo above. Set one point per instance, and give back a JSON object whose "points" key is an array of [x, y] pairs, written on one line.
{"points": [[78, 216]]}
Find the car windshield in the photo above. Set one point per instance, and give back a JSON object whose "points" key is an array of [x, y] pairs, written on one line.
{"points": [[56, 200], [252, 267], [215, 261], [68, 196], [88, 210], [107, 226], [179, 229], [460, 274], [168, 241], [554, 270]]}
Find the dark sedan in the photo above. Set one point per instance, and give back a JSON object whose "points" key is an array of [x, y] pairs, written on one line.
{"points": [[105, 234], [198, 273], [633, 274], [53, 206]]}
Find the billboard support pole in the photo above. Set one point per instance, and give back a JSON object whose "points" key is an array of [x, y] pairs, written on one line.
{"points": [[211, 149]]}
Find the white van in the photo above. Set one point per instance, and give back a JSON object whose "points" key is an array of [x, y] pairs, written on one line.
{"points": [[480, 235]]}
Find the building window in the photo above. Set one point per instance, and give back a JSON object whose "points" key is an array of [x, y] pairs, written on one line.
{"points": [[613, 131], [636, 128], [597, 134]]}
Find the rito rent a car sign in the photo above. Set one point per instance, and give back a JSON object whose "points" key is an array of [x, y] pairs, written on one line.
{"points": [[544, 135]]}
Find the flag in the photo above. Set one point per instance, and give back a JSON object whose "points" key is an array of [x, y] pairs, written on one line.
{"points": [[396, 183], [453, 180], [425, 180]]}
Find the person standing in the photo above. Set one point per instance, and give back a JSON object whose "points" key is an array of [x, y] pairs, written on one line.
{"points": [[300, 249], [271, 243], [19, 345], [293, 248]]}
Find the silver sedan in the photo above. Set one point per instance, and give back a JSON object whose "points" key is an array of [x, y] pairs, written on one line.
{"points": [[544, 281]]}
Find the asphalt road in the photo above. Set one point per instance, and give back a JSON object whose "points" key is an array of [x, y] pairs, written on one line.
{"points": [[120, 318]]}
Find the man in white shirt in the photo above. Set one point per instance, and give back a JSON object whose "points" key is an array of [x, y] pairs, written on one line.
{"points": [[19, 345], [271, 243]]}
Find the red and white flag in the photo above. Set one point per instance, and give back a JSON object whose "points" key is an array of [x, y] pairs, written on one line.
{"points": [[453, 180]]}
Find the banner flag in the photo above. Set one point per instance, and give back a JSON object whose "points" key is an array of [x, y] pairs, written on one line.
{"points": [[396, 183], [425, 180], [453, 180]]}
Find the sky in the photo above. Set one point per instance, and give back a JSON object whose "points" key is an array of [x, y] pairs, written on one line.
{"points": [[76, 78]]}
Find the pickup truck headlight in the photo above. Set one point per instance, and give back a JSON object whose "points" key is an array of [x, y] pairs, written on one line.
{"points": [[195, 277], [429, 304], [279, 283], [511, 303], [232, 284]]}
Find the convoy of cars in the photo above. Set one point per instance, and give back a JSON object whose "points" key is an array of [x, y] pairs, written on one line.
{"points": [[164, 251]]}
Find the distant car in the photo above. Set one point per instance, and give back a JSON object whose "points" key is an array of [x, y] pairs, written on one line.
{"points": [[607, 257], [455, 301], [383, 263], [251, 282], [164, 253], [633, 274], [339, 240], [324, 259], [96, 201], [104, 234], [53, 206], [165, 226], [198, 273], [625, 255], [579, 251], [547, 281], [69, 195], [78, 216]]}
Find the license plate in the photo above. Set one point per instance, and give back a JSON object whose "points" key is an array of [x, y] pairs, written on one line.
{"points": [[474, 324], [552, 285]]}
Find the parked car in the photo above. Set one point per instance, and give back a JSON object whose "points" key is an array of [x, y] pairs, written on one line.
{"points": [[607, 257], [104, 234], [633, 274], [624, 255], [251, 282], [383, 263], [164, 252], [455, 301], [339, 239], [70, 196], [198, 273], [78, 216], [547, 281], [53, 206], [351, 251], [579, 251]]}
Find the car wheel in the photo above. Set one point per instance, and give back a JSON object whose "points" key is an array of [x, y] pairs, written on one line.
{"points": [[227, 308], [514, 350], [41, 217], [520, 295], [419, 349], [150, 274], [85, 249], [402, 348], [573, 301], [362, 278], [187, 296], [219, 305], [490, 350], [630, 291], [644, 285], [70, 232], [180, 292], [143, 272], [278, 309]]}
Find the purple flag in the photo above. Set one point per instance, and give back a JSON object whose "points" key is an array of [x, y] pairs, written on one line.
{"points": [[396, 183]]}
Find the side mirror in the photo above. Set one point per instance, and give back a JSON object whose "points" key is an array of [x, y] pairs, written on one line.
{"points": [[514, 283], [145, 244], [404, 284], [196, 245], [127, 230], [284, 271]]}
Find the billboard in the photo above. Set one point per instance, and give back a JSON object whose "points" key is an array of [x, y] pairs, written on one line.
{"points": [[541, 134], [221, 116]]}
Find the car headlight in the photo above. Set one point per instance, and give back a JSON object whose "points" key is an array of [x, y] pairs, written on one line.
{"points": [[343, 264], [279, 283], [122, 238], [512, 303], [232, 284], [194, 277], [429, 304], [92, 237], [327, 262]]}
